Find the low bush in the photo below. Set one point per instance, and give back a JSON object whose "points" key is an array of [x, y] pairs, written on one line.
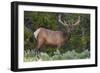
{"points": [[29, 55]]}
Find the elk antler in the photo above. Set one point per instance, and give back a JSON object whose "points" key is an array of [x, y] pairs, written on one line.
{"points": [[78, 21], [59, 19]]}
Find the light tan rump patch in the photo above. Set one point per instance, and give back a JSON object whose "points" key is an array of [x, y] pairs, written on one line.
{"points": [[36, 33]]}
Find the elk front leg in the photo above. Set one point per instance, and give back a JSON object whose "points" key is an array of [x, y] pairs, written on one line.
{"points": [[58, 47]]}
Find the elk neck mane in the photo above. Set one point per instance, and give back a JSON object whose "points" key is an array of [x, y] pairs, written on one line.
{"points": [[67, 34]]}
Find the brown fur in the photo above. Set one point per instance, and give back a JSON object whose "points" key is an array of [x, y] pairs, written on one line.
{"points": [[49, 37]]}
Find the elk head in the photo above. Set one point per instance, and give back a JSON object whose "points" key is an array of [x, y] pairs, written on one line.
{"points": [[70, 26]]}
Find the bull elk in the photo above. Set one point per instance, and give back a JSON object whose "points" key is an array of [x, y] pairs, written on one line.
{"points": [[54, 38]]}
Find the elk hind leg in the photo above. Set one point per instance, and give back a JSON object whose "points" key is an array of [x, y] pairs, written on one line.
{"points": [[39, 46]]}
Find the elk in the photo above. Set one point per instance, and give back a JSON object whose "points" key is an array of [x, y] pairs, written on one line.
{"points": [[45, 36]]}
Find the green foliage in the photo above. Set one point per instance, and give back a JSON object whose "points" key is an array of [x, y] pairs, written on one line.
{"points": [[73, 49], [29, 56]]}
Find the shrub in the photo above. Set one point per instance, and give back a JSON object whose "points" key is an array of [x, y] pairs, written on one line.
{"points": [[29, 55]]}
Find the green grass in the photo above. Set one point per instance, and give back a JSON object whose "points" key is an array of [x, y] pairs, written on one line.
{"points": [[29, 56]]}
